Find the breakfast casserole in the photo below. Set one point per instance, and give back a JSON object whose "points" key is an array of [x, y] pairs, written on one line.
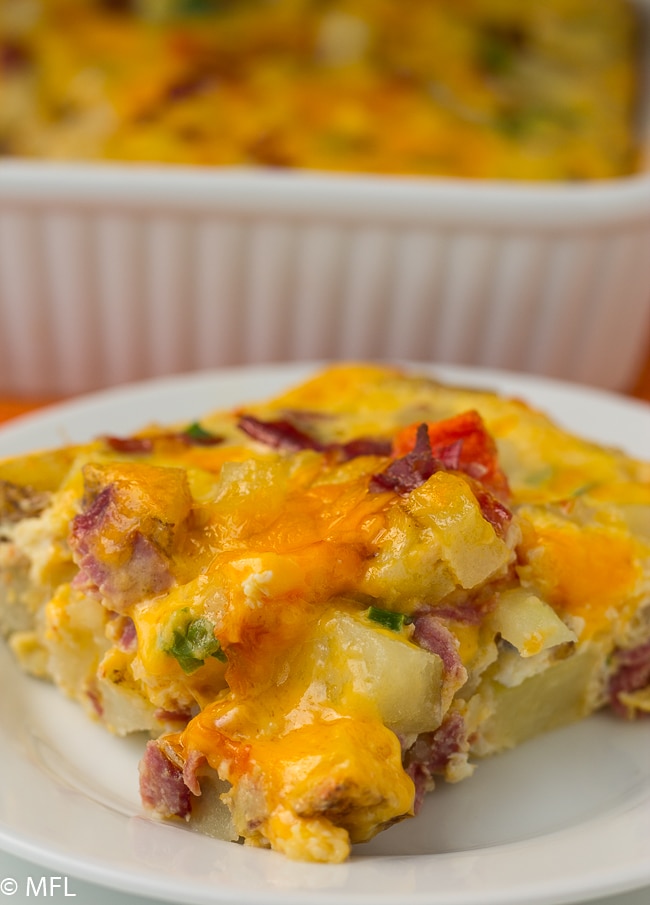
{"points": [[466, 88], [319, 606]]}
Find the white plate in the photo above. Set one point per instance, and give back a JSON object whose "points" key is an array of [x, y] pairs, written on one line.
{"points": [[563, 818]]}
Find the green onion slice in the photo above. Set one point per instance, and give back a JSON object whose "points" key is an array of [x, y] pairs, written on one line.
{"points": [[199, 435], [192, 642], [387, 618]]}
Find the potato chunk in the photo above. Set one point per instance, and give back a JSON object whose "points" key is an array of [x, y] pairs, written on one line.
{"points": [[358, 659], [469, 544], [528, 623]]}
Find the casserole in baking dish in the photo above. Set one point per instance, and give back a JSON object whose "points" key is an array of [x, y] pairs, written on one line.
{"points": [[474, 89]]}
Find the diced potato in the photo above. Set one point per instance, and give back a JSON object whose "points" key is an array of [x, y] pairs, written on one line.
{"points": [[44, 542], [124, 708], [75, 641], [19, 601], [30, 653], [210, 814], [361, 660], [408, 568], [528, 623], [41, 471], [468, 542], [561, 694]]}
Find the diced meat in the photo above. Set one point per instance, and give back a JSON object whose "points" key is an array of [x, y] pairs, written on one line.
{"points": [[13, 57], [364, 446], [465, 439], [431, 634], [145, 573], [130, 444], [424, 458], [195, 760], [162, 784], [128, 637], [182, 717], [433, 752], [188, 87], [283, 434], [632, 674], [465, 613], [124, 539], [278, 434], [493, 510], [121, 630], [411, 470]]}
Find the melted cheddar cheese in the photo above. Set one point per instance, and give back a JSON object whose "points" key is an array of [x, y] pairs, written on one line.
{"points": [[323, 603]]}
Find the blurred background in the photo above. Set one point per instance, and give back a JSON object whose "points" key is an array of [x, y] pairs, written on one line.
{"points": [[191, 184]]}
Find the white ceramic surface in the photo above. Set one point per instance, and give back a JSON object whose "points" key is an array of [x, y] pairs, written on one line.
{"points": [[564, 818], [111, 274]]}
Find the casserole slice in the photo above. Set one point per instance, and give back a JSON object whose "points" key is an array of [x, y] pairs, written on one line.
{"points": [[321, 605]]}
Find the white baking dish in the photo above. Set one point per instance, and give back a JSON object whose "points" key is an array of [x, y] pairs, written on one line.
{"points": [[110, 274]]}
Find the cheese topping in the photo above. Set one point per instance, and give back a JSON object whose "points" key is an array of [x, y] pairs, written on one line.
{"points": [[330, 600]]}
